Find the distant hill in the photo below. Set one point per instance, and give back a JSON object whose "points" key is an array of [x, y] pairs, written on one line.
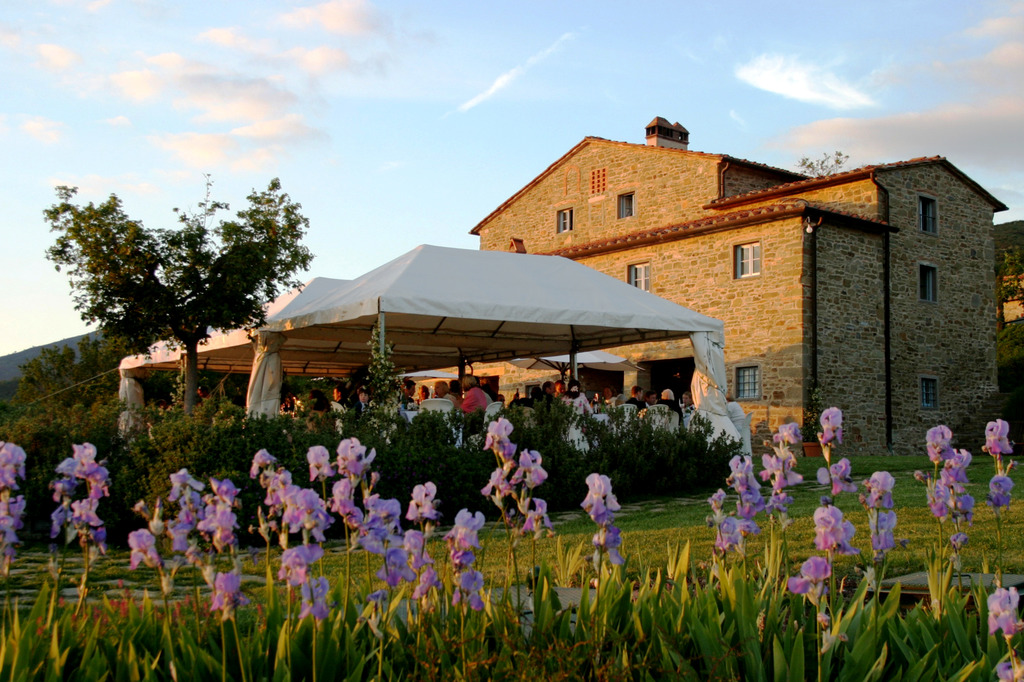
{"points": [[1009, 235], [10, 364]]}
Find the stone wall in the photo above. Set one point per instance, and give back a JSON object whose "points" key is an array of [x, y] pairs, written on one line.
{"points": [[953, 339], [669, 186], [851, 332]]}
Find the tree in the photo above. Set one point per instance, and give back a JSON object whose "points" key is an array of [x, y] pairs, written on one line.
{"points": [[1009, 280], [828, 164], [144, 285]]}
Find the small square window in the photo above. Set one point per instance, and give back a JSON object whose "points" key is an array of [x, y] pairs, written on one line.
{"points": [[927, 215], [565, 220], [747, 259], [928, 283], [627, 207], [747, 385], [640, 276], [929, 393]]}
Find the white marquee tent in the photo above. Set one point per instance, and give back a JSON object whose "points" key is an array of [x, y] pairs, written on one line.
{"points": [[441, 307]]}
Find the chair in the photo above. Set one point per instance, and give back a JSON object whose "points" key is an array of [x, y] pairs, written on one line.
{"points": [[659, 416], [745, 434], [492, 410], [628, 409], [437, 405]]}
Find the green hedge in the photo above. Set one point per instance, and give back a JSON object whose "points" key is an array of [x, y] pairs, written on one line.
{"points": [[218, 440]]}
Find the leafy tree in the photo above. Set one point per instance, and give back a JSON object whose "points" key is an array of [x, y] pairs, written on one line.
{"points": [[1009, 279], [828, 164], [143, 285], [62, 376]]}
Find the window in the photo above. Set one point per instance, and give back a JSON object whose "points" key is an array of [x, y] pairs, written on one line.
{"points": [[928, 281], [747, 260], [598, 180], [747, 385], [929, 393], [565, 220], [927, 215], [639, 275], [627, 209]]}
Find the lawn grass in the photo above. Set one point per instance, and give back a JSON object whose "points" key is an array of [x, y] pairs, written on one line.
{"points": [[649, 528]]}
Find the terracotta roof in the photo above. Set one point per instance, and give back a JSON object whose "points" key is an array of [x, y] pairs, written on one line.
{"points": [[847, 176], [591, 139], [722, 221]]}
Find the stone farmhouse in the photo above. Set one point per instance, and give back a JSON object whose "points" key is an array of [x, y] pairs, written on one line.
{"points": [[875, 285]]}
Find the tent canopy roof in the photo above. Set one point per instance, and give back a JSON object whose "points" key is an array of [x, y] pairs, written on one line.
{"points": [[442, 304]]}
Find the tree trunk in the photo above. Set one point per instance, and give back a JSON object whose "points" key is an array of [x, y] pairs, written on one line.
{"points": [[191, 374]]}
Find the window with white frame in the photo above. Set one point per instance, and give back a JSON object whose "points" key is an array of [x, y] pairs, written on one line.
{"points": [[747, 260], [639, 275], [627, 205], [748, 385], [928, 283], [929, 393], [927, 214], [565, 220]]}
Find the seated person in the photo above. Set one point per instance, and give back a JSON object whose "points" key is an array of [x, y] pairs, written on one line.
{"points": [[362, 402], [575, 397], [668, 398], [609, 398], [636, 397], [339, 399], [408, 397], [318, 401], [549, 390], [475, 398], [424, 394], [650, 398], [455, 392]]}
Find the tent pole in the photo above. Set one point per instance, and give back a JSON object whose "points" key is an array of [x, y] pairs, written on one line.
{"points": [[380, 332]]}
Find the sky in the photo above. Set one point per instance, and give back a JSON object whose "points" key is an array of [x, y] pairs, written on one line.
{"points": [[402, 123]]}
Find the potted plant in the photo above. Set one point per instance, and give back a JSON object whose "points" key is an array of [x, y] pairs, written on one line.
{"points": [[812, 422]]}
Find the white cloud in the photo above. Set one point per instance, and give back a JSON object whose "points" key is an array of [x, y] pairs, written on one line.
{"points": [[789, 77], [320, 60], [235, 39], [9, 37], [344, 17], [290, 127], [138, 85], [118, 122], [983, 133], [43, 129], [56, 57], [736, 117], [503, 81], [201, 150]]}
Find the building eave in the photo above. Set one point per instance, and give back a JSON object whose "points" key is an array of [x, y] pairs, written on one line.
{"points": [[720, 223]]}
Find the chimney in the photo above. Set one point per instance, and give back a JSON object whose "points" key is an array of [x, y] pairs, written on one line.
{"points": [[661, 133]]}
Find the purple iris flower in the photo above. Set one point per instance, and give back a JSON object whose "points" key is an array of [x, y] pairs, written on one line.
{"points": [[227, 594], [600, 501], [882, 524], [999, 491], [879, 487], [396, 567], [262, 460], [839, 476], [468, 589], [814, 574], [788, 434], [462, 538], [319, 463], [182, 481], [12, 465], [143, 546], [832, 531], [353, 460], [415, 544], [304, 511], [1002, 612], [423, 506], [498, 486], [497, 439], [537, 518], [295, 563], [938, 439], [609, 539], [832, 426], [996, 438], [428, 581], [530, 470], [314, 599]]}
